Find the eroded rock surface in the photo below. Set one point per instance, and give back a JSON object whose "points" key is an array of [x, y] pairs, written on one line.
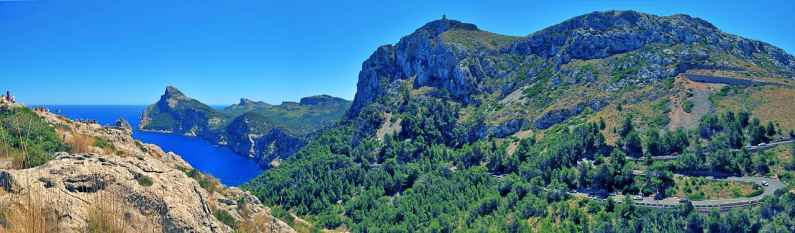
{"points": [[138, 187]]}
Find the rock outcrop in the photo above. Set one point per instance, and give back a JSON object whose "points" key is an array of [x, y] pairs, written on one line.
{"points": [[135, 188], [459, 62]]}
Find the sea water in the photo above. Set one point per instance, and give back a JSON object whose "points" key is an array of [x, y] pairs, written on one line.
{"points": [[221, 162]]}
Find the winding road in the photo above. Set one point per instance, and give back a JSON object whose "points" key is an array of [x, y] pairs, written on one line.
{"points": [[717, 204], [759, 147], [770, 186]]}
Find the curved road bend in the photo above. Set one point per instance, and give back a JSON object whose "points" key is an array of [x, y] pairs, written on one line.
{"points": [[720, 204]]}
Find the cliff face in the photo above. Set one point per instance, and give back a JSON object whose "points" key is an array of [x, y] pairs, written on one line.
{"points": [[604, 52], [123, 185], [251, 135], [255, 129]]}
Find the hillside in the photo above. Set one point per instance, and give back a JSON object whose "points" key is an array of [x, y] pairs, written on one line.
{"points": [[570, 129], [60, 175], [262, 131]]}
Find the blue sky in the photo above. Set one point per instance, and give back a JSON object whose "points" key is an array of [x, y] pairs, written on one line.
{"points": [[126, 52]]}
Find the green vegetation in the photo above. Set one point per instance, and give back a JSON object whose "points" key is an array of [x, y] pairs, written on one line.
{"points": [[179, 113], [26, 139], [697, 189], [660, 108], [725, 135], [472, 39], [651, 142], [207, 182], [432, 177], [103, 143], [791, 165], [687, 106], [225, 217], [294, 118], [144, 180], [159, 121]]}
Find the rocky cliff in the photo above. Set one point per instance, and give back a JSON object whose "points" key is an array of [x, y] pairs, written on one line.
{"points": [[538, 80], [122, 185], [256, 129]]}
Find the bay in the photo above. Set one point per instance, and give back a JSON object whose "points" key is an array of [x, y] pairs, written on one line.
{"points": [[230, 168]]}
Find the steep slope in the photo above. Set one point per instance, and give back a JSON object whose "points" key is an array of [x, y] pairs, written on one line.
{"points": [[265, 132], [455, 129], [544, 78], [109, 182]]}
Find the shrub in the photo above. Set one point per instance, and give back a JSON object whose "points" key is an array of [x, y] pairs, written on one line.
{"points": [[207, 182], [281, 213], [687, 106], [103, 143], [225, 218], [329, 221], [144, 180], [27, 138]]}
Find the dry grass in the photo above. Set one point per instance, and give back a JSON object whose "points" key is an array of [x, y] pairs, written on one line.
{"points": [[766, 103], [81, 143], [105, 215], [11, 158], [260, 223], [701, 189], [33, 212], [776, 105], [29, 216]]}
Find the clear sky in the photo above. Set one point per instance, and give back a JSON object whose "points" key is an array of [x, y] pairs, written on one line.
{"points": [[126, 52]]}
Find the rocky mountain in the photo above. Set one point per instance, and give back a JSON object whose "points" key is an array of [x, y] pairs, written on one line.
{"points": [[256, 129], [457, 129], [109, 182], [544, 78]]}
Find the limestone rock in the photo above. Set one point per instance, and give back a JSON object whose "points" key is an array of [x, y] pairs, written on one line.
{"points": [[139, 188]]}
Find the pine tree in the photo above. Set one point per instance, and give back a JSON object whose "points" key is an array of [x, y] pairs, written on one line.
{"points": [[653, 146], [632, 145], [771, 129], [626, 127]]}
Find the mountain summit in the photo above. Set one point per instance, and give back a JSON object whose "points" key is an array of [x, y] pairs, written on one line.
{"points": [[604, 51]]}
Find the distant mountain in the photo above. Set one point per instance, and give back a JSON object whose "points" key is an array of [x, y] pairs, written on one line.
{"points": [[256, 129], [456, 129]]}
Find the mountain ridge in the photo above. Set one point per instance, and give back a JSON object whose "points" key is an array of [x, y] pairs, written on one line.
{"points": [[429, 58]]}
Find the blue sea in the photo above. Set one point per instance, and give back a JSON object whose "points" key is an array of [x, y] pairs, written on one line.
{"points": [[230, 168]]}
